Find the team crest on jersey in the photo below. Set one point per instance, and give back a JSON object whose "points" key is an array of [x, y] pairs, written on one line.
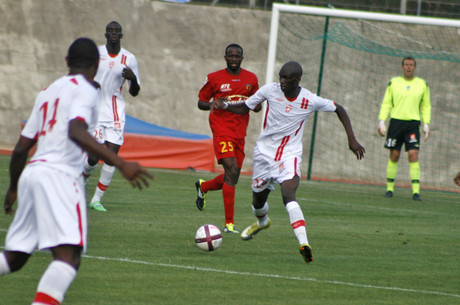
{"points": [[248, 87], [111, 64], [288, 108], [281, 167]]}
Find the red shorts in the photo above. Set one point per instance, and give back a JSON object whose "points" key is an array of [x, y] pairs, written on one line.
{"points": [[226, 147]]}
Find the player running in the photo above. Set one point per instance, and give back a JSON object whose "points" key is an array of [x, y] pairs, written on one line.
{"points": [[278, 152], [228, 129]]}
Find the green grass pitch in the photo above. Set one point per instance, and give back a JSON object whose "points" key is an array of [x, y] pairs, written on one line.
{"points": [[367, 249]]}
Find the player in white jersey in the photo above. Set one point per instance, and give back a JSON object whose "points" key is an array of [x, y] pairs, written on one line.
{"points": [[115, 66], [51, 212], [278, 153]]}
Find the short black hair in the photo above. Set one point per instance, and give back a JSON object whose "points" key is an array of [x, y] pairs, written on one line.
{"points": [[234, 45], [408, 58], [112, 22], [83, 53]]}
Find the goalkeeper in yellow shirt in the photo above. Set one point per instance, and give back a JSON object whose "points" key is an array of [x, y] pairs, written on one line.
{"points": [[407, 101]]}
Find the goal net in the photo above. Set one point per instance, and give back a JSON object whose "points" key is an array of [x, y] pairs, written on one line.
{"points": [[350, 57]]}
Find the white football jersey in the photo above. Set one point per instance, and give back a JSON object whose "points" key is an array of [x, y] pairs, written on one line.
{"points": [[112, 104], [67, 98], [284, 120]]}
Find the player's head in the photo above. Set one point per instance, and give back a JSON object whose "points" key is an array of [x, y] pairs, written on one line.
{"points": [[408, 65], [113, 32], [290, 76], [83, 55], [233, 57]]}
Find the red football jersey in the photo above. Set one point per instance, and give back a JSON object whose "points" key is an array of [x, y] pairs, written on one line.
{"points": [[237, 89]]}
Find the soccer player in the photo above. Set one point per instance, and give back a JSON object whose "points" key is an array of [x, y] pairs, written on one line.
{"points": [[115, 66], [51, 212], [228, 129], [405, 98], [278, 152]]}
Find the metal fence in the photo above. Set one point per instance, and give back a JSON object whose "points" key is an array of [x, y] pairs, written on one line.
{"points": [[433, 8]]}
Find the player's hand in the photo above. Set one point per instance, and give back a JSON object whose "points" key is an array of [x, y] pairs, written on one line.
{"points": [[128, 74], [258, 107], [219, 103], [426, 130], [457, 179], [357, 149], [382, 128], [135, 174], [10, 198]]}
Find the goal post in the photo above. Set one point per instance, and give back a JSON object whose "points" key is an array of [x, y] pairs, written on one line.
{"points": [[350, 56]]}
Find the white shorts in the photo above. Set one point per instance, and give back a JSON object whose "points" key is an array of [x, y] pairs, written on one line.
{"points": [[267, 172], [110, 132], [51, 211]]}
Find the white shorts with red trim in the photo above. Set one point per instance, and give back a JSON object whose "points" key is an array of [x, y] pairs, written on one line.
{"points": [[51, 211], [267, 172], [110, 131]]}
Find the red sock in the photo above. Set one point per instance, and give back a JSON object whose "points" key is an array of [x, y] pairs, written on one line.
{"points": [[213, 185], [228, 192]]}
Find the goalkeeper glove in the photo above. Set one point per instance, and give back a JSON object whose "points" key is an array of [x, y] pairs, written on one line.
{"points": [[426, 130], [382, 129]]}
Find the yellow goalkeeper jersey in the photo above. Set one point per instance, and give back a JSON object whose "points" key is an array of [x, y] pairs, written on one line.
{"points": [[406, 100]]}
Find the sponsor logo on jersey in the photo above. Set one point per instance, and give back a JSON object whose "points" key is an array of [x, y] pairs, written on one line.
{"points": [[279, 99], [225, 87]]}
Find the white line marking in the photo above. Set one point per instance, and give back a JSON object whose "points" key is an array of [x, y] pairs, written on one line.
{"points": [[295, 278]]}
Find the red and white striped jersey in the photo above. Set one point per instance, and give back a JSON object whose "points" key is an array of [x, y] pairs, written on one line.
{"points": [[284, 119], [111, 103], [67, 98]]}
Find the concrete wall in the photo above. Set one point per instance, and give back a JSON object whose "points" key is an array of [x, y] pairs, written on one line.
{"points": [[176, 45]]}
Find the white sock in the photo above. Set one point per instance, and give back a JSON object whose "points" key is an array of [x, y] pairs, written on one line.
{"points": [[88, 169], [297, 221], [107, 172], [54, 283], [261, 214], [4, 267]]}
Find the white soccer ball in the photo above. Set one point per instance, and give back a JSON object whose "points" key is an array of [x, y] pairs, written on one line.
{"points": [[208, 237]]}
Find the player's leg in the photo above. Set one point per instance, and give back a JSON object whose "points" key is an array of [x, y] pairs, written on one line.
{"points": [[12, 261], [393, 142], [90, 163], [296, 217], [59, 274], [414, 171], [262, 185], [231, 175], [89, 166], [412, 141], [202, 186], [107, 173]]}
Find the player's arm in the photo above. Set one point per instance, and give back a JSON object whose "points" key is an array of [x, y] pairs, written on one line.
{"points": [[132, 171], [353, 144], [385, 108], [17, 164], [425, 109], [134, 86], [204, 105], [221, 103]]}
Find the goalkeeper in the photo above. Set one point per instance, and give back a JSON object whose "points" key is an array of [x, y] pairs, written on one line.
{"points": [[406, 100]]}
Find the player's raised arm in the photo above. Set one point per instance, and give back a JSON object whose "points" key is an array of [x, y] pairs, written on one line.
{"points": [[353, 144]]}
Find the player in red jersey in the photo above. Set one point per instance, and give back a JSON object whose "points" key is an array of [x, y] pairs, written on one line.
{"points": [[228, 129]]}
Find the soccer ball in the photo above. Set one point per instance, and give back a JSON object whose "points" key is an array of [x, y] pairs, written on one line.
{"points": [[208, 237]]}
